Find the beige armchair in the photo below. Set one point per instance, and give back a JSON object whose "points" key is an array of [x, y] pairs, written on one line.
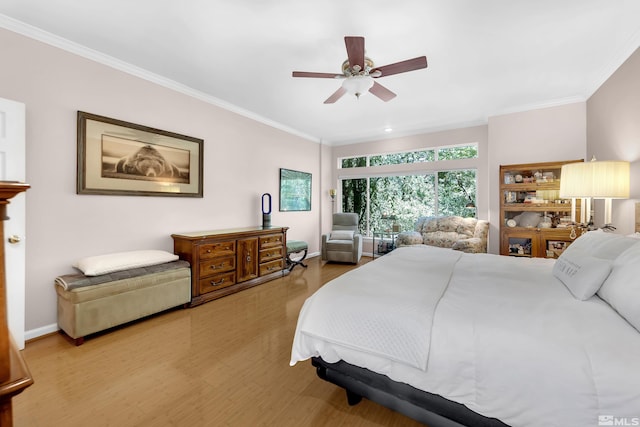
{"points": [[344, 243], [462, 234]]}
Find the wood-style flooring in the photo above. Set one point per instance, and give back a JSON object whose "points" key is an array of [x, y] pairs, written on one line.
{"points": [[224, 363]]}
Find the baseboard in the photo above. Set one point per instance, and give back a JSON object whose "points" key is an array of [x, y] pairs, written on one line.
{"points": [[49, 329], [38, 332]]}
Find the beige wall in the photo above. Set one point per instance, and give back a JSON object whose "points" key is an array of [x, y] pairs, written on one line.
{"points": [[613, 133], [542, 135], [242, 158]]}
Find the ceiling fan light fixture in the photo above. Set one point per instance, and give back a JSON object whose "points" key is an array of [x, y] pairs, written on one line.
{"points": [[357, 85]]}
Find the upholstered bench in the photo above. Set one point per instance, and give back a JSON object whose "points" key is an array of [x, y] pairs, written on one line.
{"points": [[294, 247], [94, 303]]}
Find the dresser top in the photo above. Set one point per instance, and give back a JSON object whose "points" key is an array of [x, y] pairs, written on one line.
{"points": [[245, 231]]}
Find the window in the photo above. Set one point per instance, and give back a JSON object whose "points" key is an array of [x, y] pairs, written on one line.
{"points": [[399, 158], [458, 152], [353, 162], [382, 201]]}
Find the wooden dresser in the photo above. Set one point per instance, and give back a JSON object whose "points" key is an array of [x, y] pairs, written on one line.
{"points": [[14, 373], [228, 261]]}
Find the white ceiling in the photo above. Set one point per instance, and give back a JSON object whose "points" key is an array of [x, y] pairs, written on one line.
{"points": [[485, 57]]}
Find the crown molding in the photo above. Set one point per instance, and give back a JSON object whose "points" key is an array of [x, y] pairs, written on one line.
{"points": [[40, 35]]}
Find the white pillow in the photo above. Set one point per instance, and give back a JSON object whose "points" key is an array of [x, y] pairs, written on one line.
{"points": [[601, 244], [581, 274], [103, 264], [622, 288], [341, 235]]}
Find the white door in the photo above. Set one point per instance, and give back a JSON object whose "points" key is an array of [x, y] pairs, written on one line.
{"points": [[12, 168]]}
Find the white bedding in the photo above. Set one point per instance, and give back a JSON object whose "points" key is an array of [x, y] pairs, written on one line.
{"points": [[503, 337]]}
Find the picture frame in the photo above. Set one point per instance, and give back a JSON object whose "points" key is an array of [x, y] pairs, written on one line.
{"points": [[115, 157], [556, 247], [295, 190]]}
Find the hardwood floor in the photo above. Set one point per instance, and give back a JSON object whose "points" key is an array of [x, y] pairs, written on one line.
{"points": [[224, 363]]}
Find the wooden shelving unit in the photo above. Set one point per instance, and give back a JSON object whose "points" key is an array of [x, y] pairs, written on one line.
{"points": [[529, 193]]}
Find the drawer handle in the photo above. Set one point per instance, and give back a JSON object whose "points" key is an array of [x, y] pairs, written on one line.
{"points": [[248, 258], [213, 283], [213, 267], [208, 251]]}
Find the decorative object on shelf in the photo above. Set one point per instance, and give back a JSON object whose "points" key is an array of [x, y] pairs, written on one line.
{"points": [[545, 222], [126, 159], [606, 180], [295, 190], [266, 210]]}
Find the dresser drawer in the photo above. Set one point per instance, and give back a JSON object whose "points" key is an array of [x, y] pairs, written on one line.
{"points": [[212, 250], [271, 254], [216, 282], [217, 265], [271, 240], [271, 267]]}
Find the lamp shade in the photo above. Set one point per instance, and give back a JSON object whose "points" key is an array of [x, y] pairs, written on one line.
{"points": [[610, 180], [575, 180], [600, 180]]}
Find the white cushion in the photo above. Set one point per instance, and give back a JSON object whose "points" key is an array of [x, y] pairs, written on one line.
{"points": [[601, 244], [581, 274], [622, 288], [103, 264], [341, 235]]}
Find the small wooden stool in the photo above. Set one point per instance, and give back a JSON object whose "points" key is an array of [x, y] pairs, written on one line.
{"points": [[295, 246]]}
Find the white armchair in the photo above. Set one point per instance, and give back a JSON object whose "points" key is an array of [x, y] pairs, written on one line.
{"points": [[344, 243]]}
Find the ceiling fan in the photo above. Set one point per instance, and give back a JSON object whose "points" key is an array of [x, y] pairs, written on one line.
{"points": [[358, 72]]}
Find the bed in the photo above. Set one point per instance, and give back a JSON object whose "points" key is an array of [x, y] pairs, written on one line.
{"points": [[452, 339]]}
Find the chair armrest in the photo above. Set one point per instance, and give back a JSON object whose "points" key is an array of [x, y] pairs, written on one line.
{"points": [[407, 238], [471, 245]]}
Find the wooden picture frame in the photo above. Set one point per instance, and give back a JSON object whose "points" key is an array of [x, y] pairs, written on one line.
{"points": [[121, 158], [295, 190], [556, 247]]}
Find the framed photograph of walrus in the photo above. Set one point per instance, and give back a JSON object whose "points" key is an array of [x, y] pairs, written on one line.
{"points": [[121, 158]]}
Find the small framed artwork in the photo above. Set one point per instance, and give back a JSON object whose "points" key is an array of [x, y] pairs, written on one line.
{"points": [[295, 190], [121, 158], [555, 248]]}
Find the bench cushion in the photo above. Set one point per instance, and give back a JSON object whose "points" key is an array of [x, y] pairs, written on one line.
{"points": [[296, 246]]}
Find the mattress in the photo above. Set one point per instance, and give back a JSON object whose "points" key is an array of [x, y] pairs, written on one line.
{"points": [[507, 339]]}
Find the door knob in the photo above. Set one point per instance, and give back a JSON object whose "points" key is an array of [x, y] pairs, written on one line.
{"points": [[14, 239]]}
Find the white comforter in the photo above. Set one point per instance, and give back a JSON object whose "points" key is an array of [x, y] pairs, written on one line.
{"points": [[502, 336]]}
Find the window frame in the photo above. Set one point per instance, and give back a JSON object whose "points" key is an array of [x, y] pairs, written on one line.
{"points": [[401, 169]]}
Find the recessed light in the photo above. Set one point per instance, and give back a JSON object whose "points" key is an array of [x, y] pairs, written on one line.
{"points": [[388, 129]]}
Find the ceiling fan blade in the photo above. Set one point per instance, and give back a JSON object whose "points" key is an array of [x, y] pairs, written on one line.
{"points": [[382, 92], [336, 95], [402, 66], [355, 51], [317, 75]]}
